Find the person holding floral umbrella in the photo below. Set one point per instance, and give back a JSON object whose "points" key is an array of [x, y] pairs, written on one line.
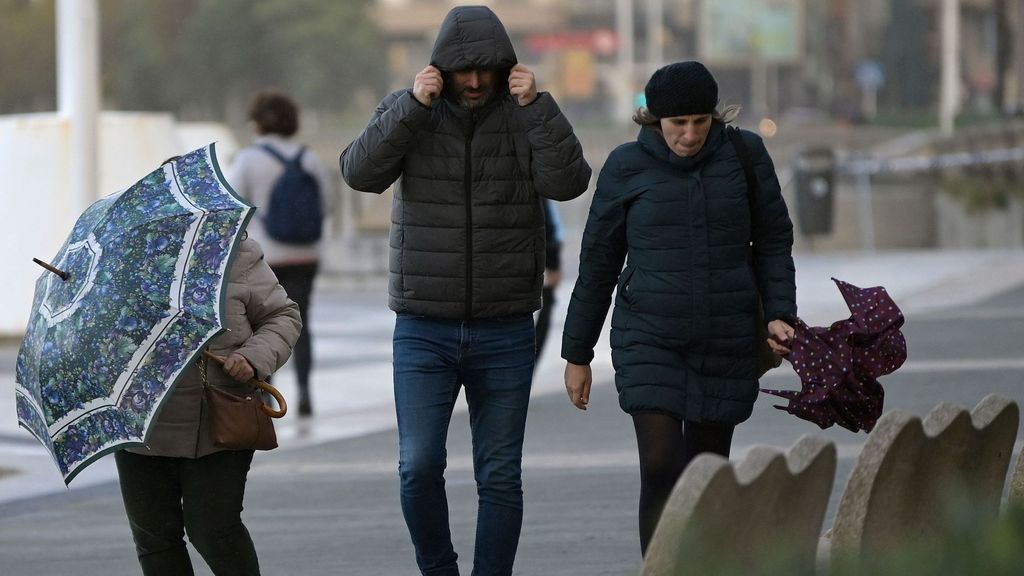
{"points": [[149, 279], [180, 481]]}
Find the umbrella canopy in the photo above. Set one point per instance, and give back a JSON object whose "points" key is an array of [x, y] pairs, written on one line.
{"points": [[839, 366], [146, 279]]}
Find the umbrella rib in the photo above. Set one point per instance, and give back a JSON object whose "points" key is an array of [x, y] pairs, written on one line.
{"points": [[181, 190], [122, 386], [179, 193]]}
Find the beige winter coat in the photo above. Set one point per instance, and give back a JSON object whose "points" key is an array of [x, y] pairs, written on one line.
{"points": [[263, 326]]}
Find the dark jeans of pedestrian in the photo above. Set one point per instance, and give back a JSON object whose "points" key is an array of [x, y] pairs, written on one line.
{"points": [[297, 281], [547, 299], [493, 360], [167, 497], [667, 445]]}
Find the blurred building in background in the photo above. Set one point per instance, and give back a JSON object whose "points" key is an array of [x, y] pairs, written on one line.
{"points": [[857, 60], [853, 59]]}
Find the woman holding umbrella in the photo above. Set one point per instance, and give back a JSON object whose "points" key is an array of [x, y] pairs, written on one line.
{"points": [[180, 481], [701, 256]]}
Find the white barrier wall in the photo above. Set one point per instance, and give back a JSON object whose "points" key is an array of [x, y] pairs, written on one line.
{"points": [[35, 212], [132, 144]]}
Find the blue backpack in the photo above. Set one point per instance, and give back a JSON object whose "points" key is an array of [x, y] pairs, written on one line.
{"points": [[294, 213]]}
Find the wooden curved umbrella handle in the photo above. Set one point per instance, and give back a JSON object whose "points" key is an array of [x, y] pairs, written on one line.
{"points": [[277, 396], [265, 386]]}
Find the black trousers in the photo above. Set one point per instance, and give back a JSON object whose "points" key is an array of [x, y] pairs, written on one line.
{"points": [[166, 497], [297, 281]]}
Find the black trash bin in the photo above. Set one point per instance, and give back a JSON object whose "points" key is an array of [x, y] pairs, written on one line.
{"points": [[815, 181]]}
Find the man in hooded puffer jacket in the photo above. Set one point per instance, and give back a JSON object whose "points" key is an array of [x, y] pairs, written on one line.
{"points": [[475, 149]]}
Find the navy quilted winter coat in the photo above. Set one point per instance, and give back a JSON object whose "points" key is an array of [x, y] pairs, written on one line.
{"points": [[467, 226], [684, 328]]}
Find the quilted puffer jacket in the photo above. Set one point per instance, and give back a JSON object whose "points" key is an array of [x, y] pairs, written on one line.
{"points": [[467, 226], [684, 332]]}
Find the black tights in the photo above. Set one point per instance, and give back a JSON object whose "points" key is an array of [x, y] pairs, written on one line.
{"points": [[666, 447]]}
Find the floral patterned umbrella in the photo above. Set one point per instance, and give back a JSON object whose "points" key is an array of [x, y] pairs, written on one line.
{"points": [[839, 366], [137, 292]]}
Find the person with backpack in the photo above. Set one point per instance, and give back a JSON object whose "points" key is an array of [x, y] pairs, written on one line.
{"points": [[476, 149], [694, 209], [292, 191]]}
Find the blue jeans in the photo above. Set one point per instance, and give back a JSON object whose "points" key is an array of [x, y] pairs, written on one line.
{"points": [[494, 360]]}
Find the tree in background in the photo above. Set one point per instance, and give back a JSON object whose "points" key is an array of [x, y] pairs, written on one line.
{"points": [[203, 58], [27, 47], [200, 59]]}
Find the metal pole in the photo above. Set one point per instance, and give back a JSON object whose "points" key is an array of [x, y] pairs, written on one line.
{"points": [[867, 210], [758, 86], [950, 80], [78, 93], [655, 34], [1018, 55], [624, 28]]}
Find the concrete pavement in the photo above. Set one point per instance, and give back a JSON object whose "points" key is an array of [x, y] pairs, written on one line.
{"points": [[326, 502]]}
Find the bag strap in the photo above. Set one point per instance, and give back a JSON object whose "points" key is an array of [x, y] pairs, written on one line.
{"points": [[280, 157], [747, 161]]}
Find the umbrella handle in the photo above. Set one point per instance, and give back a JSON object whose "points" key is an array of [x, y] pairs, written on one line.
{"points": [[265, 386]]}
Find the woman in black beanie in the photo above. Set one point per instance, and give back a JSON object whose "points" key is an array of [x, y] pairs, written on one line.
{"points": [[702, 253]]}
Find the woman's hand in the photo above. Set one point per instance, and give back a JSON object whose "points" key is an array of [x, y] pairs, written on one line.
{"points": [[779, 336], [577, 384], [238, 368]]}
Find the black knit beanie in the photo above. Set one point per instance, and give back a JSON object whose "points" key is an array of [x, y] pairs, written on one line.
{"points": [[681, 89]]}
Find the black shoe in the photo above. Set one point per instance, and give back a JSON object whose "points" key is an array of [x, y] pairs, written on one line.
{"points": [[305, 408]]}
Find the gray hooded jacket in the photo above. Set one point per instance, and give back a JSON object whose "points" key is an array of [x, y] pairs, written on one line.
{"points": [[467, 226]]}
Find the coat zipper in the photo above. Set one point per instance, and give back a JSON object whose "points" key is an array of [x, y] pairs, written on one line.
{"points": [[469, 217]]}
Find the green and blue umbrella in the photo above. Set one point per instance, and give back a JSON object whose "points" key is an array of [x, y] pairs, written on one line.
{"points": [[132, 297]]}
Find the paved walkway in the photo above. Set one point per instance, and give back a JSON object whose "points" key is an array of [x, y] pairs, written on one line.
{"points": [[326, 502]]}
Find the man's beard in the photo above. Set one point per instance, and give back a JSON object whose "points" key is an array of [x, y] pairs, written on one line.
{"points": [[477, 103]]}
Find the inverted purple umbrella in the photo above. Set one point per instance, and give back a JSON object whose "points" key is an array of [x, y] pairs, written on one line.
{"points": [[839, 366]]}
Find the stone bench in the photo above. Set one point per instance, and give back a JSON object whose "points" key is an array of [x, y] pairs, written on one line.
{"points": [[1017, 482], [765, 514], [910, 473], [721, 517]]}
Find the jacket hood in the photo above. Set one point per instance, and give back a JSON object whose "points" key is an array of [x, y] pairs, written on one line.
{"points": [[472, 37]]}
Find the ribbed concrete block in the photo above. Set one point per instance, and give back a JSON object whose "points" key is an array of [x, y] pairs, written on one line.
{"points": [[768, 510], [1017, 482], [909, 473]]}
